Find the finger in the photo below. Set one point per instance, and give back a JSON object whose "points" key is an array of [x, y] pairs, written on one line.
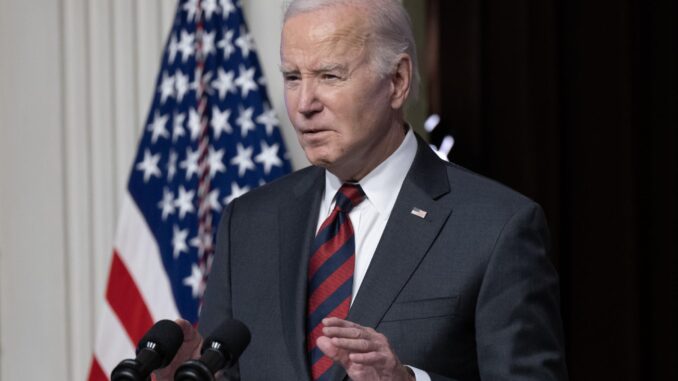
{"points": [[336, 322], [192, 338], [330, 350], [347, 333], [187, 329], [368, 358], [354, 345]]}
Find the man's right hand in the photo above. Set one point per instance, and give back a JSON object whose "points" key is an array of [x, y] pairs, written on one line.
{"points": [[190, 349]]}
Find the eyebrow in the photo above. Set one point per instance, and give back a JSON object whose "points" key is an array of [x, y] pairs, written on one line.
{"points": [[285, 69], [331, 67], [321, 69]]}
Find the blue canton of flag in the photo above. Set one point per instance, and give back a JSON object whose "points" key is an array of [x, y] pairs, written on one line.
{"points": [[211, 135]]}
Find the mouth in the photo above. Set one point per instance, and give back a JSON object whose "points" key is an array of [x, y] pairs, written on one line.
{"points": [[314, 136], [312, 131]]}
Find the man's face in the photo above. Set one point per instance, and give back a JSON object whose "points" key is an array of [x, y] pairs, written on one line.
{"points": [[340, 107]]}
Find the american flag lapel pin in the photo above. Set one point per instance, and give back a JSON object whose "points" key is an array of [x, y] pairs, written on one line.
{"points": [[419, 213]]}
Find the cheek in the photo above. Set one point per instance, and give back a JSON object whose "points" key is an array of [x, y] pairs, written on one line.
{"points": [[289, 102]]}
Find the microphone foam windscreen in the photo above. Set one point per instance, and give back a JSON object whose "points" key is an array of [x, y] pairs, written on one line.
{"points": [[234, 337], [168, 337]]}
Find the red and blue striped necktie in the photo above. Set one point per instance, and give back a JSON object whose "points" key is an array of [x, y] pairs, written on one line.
{"points": [[330, 274]]}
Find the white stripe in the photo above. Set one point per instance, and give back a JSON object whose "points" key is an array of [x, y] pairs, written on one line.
{"points": [[139, 251], [113, 344]]}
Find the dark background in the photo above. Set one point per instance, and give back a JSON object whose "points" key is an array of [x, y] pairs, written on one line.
{"points": [[573, 103]]}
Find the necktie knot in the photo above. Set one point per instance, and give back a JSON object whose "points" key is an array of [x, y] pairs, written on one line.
{"points": [[349, 196]]}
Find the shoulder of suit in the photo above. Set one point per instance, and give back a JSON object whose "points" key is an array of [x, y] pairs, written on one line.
{"points": [[282, 187], [469, 187]]}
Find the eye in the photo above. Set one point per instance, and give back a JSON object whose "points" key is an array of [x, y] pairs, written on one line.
{"points": [[330, 76], [291, 77]]}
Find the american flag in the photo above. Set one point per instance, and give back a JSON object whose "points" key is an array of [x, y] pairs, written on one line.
{"points": [[211, 135]]}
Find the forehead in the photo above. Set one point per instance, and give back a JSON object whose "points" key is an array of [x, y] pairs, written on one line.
{"points": [[324, 35]]}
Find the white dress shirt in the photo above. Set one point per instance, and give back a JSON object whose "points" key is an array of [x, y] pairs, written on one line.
{"points": [[369, 218]]}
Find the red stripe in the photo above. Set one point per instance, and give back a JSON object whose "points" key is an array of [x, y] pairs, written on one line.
{"points": [[341, 312], [126, 300], [330, 247], [321, 366], [329, 219], [95, 372], [330, 285]]}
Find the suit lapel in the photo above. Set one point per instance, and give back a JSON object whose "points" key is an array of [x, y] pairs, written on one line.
{"points": [[405, 241], [297, 220]]}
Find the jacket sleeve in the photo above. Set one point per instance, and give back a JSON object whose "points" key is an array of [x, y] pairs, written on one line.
{"points": [[518, 325], [217, 299]]}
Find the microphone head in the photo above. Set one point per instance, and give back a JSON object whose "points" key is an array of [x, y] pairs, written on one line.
{"points": [[230, 338], [165, 337]]}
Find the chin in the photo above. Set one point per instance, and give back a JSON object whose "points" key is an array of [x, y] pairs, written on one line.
{"points": [[320, 162], [319, 158]]}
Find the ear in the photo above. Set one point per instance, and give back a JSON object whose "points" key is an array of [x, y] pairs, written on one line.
{"points": [[401, 79]]}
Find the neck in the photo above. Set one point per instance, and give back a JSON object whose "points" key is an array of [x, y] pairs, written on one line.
{"points": [[380, 151]]}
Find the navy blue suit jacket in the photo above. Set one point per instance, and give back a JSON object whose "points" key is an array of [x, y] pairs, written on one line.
{"points": [[465, 293]]}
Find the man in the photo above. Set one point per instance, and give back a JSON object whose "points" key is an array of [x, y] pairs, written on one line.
{"points": [[444, 271]]}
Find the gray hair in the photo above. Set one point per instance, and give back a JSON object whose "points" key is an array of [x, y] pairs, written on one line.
{"points": [[392, 26]]}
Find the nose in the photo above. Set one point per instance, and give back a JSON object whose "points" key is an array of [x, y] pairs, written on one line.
{"points": [[309, 104]]}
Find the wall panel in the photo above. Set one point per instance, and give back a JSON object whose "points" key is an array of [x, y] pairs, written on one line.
{"points": [[100, 146], [33, 274], [77, 206], [148, 47], [125, 105]]}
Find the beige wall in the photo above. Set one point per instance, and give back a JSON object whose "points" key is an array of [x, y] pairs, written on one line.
{"points": [[76, 80]]}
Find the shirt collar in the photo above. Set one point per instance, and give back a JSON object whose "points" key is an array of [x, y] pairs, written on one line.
{"points": [[382, 185]]}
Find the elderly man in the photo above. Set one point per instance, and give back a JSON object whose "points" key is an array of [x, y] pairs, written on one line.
{"points": [[379, 262]]}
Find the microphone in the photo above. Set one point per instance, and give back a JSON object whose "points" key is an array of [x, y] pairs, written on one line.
{"points": [[220, 350], [155, 350]]}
